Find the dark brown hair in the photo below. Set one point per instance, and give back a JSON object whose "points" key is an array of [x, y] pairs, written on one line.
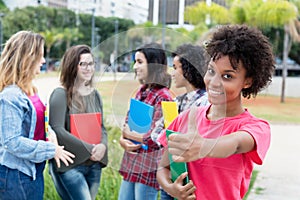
{"points": [[194, 61], [156, 64], [69, 69]]}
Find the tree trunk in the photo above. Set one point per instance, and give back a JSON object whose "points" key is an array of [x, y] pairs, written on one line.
{"points": [[284, 62]]}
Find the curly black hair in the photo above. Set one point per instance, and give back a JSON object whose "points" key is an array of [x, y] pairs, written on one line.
{"points": [[194, 61], [249, 46]]}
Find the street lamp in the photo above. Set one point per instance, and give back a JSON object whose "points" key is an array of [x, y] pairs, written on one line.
{"points": [[98, 55], [164, 23], [93, 28], [116, 39], [115, 53]]}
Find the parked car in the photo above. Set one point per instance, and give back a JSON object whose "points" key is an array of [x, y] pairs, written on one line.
{"points": [[124, 67]]}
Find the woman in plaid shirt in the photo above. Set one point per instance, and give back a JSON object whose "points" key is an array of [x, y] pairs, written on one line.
{"points": [[139, 166]]}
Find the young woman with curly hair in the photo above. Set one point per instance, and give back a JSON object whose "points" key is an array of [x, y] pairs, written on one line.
{"points": [[189, 66], [221, 142]]}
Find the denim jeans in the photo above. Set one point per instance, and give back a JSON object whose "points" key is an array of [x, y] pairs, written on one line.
{"points": [[80, 182], [136, 191], [165, 196], [17, 185]]}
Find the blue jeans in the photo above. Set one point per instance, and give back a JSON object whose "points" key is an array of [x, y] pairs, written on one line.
{"points": [[17, 185], [80, 182], [136, 191], [165, 196]]}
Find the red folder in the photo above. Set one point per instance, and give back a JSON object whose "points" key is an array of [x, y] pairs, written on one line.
{"points": [[86, 126]]}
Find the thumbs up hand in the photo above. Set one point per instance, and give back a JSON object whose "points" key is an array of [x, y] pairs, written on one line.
{"points": [[187, 147]]}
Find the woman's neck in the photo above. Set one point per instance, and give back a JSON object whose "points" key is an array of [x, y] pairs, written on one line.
{"points": [[84, 89], [30, 91], [220, 111], [190, 88]]}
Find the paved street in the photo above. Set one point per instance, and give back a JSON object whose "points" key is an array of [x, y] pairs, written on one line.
{"points": [[279, 176]]}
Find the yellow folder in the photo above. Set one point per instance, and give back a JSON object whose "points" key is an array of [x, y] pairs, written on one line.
{"points": [[170, 111]]}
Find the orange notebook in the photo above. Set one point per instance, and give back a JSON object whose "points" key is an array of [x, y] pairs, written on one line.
{"points": [[86, 126]]}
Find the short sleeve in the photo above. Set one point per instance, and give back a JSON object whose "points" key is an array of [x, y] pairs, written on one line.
{"points": [[261, 132]]}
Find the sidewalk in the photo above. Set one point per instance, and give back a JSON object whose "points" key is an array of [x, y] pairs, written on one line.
{"points": [[279, 176]]}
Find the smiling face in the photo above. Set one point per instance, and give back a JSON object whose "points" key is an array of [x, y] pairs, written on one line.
{"points": [[86, 67], [140, 66], [224, 83], [177, 74]]}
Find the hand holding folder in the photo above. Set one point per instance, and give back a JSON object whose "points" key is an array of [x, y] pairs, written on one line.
{"points": [[140, 117], [177, 168], [87, 127]]}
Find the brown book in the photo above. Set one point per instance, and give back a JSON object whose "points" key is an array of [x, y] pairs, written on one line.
{"points": [[87, 127]]}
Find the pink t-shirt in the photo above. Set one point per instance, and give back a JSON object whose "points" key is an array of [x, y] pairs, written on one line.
{"points": [[224, 178], [39, 133]]}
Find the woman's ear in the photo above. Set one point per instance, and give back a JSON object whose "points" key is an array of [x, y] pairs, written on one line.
{"points": [[248, 83]]}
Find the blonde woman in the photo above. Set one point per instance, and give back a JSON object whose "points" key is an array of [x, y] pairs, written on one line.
{"points": [[23, 149]]}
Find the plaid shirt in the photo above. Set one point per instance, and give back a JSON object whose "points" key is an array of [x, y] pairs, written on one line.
{"points": [[184, 102], [141, 166]]}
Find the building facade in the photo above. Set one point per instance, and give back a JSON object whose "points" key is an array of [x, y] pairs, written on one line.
{"points": [[173, 9], [136, 10]]}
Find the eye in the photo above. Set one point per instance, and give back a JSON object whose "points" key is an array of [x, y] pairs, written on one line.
{"points": [[227, 76], [210, 71]]}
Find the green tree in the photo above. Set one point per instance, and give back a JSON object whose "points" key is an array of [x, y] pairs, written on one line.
{"points": [[75, 28], [212, 15], [263, 14], [284, 14], [51, 37], [71, 34]]}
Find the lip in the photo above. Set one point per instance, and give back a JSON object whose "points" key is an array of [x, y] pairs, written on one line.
{"points": [[215, 92], [138, 73]]}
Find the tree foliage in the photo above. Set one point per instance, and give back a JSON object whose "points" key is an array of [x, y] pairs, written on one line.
{"points": [[200, 11], [278, 18], [73, 29]]}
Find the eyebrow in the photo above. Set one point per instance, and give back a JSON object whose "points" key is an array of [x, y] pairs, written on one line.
{"points": [[227, 71], [232, 70]]}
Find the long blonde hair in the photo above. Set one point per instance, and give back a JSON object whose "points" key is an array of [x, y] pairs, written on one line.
{"points": [[20, 56]]}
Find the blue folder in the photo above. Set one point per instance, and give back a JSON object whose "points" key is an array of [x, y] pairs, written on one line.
{"points": [[140, 116]]}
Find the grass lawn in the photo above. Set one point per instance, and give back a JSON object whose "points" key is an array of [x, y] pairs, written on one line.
{"points": [[116, 97]]}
